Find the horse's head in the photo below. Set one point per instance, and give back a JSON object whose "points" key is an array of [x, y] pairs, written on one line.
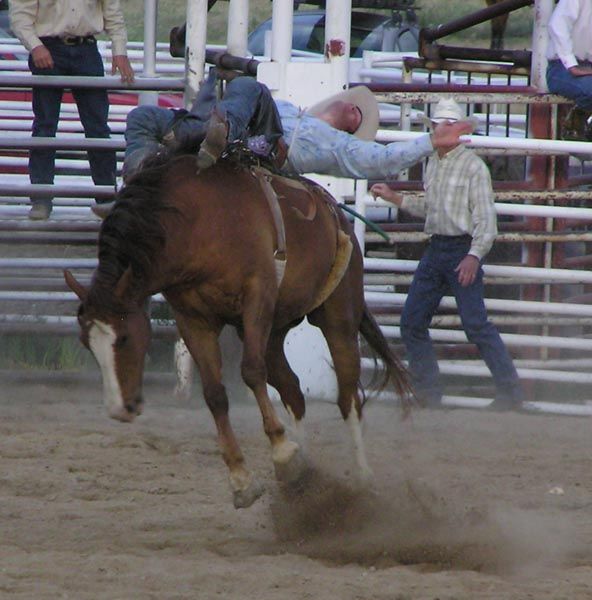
{"points": [[118, 339]]}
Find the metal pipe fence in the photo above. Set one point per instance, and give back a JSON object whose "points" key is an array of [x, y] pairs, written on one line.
{"points": [[504, 103], [549, 329]]}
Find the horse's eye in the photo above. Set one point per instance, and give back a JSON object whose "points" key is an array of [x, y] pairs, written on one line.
{"points": [[121, 341]]}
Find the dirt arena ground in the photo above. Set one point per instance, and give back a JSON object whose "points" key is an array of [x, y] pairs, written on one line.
{"points": [[467, 505]]}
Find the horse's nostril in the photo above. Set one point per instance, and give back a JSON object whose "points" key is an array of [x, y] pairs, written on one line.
{"points": [[134, 406]]}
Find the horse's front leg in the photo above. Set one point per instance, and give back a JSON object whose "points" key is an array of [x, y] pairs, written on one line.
{"points": [[281, 376], [205, 349], [257, 320]]}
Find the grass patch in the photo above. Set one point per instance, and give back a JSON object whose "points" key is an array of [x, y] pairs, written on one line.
{"points": [[173, 14], [57, 353], [430, 12], [434, 12], [43, 352]]}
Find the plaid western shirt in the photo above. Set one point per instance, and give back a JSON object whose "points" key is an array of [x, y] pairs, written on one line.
{"points": [[458, 199]]}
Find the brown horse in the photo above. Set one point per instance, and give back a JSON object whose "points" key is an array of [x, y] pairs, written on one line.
{"points": [[210, 243]]}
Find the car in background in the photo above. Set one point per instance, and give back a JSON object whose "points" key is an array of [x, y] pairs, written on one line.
{"points": [[369, 31]]}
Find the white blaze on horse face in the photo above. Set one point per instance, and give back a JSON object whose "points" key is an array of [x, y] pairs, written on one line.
{"points": [[101, 337]]}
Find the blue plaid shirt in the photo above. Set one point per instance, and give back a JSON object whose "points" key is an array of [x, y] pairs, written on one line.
{"points": [[316, 147]]}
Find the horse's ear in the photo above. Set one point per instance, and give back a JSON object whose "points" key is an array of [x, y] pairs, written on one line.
{"points": [[75, 286], [124, 283]]}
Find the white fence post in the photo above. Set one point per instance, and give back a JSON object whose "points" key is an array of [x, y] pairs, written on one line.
{"points": [[238, 27], [195, 47]]}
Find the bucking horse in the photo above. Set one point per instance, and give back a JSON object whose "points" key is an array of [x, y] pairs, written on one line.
{"points": [[232, 245]]}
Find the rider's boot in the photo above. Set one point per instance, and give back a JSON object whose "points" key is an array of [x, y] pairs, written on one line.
{"points": [[575, 126], [214, 142]]}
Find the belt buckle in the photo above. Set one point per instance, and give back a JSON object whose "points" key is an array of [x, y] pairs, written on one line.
{"points": [[71, 40]]}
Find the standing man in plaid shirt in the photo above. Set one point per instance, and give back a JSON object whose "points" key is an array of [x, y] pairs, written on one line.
{"points": [[460, 217]]}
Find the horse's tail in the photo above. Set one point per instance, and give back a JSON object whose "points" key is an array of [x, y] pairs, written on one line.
{"points": [[393, 372]]}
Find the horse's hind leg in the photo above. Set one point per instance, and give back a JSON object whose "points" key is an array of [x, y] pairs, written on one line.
{"points": [[205, 349], [183, 370], [339, 325], [257, 317]]}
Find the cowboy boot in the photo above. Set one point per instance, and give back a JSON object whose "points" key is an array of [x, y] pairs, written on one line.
{"points": [[573, 128], [214, 142], [588, 128]]}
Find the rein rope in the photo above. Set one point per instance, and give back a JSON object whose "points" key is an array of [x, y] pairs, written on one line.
{"points": [[264, 177], [365, 220]]}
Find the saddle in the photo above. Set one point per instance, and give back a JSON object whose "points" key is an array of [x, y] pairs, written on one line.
{"points": [[306, 210]]}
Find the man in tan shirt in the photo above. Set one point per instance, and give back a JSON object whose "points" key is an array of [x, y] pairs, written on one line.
{"points": [[60, 37]]}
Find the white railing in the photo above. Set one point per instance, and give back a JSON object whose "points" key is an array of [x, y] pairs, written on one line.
{"points": [[373, 67]]}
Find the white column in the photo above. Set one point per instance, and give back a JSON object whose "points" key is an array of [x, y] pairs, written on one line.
{"points": [[540, 36], [337, 44], [195, 47], [238, 27], [149, 58], [360, 207], [281, 30]]}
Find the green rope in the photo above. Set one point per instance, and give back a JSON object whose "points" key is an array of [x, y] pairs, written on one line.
{"points": [[368, 222]]}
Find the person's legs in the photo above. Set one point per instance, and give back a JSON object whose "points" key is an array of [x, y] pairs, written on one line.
{"points": [[240, 104], [485, 336], [93, 108], [46, 104], [560, 81], [145, 129], [423, 299], [232, 117], [577, 125]]}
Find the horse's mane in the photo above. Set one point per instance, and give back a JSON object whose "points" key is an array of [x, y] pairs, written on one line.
{"points": [[133, 234]]}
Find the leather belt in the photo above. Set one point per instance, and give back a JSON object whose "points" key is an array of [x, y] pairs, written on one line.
{"points": [[69, 40]]}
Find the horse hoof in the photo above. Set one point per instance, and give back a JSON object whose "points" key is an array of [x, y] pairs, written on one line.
{"points": [[293, 470], [365, 481], [245, 498], [123, 415]]}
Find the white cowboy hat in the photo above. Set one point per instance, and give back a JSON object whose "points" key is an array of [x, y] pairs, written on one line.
{"points": [[364, 99], [447, 110]]}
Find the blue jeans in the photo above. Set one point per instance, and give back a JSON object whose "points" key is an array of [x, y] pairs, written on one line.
{"points": [[560, 81], [434, 277], [145, 129], [248, 106], [146, 126], [93, 108]]}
